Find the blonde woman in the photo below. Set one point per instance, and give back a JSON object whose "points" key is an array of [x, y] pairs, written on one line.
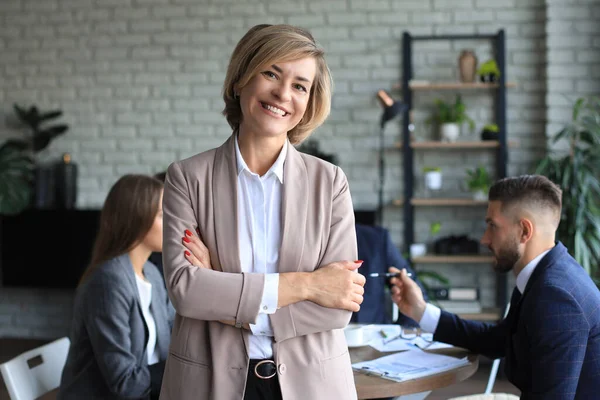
{"points": [[263, 319]]}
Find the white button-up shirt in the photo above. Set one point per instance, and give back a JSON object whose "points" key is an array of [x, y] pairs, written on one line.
{"points": [[259, 235]]}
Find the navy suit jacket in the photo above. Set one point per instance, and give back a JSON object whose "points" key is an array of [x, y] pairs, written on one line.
{"points": [[376, 249], [551, 336]]}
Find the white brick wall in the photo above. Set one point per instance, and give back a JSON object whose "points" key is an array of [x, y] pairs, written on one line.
{"points": [[140, 84], [573, 53]]}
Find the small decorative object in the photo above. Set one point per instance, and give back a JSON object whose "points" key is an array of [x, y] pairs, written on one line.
{"points": [[449, 132], [467, 66], [454, 245], [418, 250], [66, 183], [450, 117], [489, 71], [433, 178], [490, 132], [479, 182]]}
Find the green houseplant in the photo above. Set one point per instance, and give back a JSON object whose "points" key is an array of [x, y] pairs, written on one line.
{"points": [[489, 71], [577, 172], [450, 117], [40, 133], [479, 182], [16, 175], [490, 132], [17, 161]]}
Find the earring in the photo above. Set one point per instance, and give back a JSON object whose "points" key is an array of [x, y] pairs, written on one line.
{"points": [[236, 95]]}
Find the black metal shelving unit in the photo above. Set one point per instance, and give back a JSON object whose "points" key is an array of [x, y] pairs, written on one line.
{"points": [[498, 41]]}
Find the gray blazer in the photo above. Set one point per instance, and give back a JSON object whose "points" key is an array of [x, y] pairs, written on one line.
{"points": [[107, 358]]}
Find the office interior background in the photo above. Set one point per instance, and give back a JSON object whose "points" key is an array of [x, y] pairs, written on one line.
{"points": [[139, 84]]}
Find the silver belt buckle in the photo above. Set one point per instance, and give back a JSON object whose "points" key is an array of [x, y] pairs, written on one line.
{"points": [[261, 363]]}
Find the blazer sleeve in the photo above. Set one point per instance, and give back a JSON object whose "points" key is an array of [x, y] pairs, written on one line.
{"points": [[558, 331], [201, 293], [478, 337], [107, 324], [306, 317]]}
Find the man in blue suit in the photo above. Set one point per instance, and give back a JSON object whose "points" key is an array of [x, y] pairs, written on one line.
{"points": [[376, 249], [551, 335]]}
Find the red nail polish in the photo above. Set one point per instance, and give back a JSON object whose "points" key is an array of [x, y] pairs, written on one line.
{"points": [[187, 253], [359, 261], [185, 239], [187, 232]]}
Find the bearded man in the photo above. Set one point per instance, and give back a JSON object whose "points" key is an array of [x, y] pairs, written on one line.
{"points": [[551, 335]]}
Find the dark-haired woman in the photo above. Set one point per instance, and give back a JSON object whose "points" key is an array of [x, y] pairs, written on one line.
{"points": [[122, 316]]}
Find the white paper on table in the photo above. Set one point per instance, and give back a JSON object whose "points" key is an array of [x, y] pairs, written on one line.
{"points": [[409, 364]]}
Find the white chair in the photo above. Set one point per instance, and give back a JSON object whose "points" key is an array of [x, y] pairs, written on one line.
{"points": [[35, 372]]}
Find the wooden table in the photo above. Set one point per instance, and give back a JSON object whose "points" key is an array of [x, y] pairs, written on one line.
{"points": [[372, 387]]}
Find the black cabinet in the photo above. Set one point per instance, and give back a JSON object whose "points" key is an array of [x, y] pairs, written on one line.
{"points": [[46, 248]]}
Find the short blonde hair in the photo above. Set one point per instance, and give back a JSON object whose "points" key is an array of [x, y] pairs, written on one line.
{"points": [[265, 45]]}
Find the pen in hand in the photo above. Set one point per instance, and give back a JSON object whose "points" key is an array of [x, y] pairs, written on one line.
{"points": [[387, 275]]}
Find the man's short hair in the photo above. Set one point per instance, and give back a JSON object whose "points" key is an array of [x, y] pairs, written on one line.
{"points": [[535, 191]]}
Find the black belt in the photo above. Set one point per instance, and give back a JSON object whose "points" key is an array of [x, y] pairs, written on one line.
{"points": [[263, 369]]}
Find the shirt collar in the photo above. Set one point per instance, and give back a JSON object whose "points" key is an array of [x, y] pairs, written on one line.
{"points": [[526, 272], [276, 168]]}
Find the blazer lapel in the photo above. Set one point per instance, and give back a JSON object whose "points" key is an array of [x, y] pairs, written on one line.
{"points": [[125, 261], [294, 211], [224, 189]]}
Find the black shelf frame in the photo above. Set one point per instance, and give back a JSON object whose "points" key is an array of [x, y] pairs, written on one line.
{"points": [[499, 43]]}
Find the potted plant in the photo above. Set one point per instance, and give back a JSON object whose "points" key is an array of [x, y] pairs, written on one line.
{"points": [[40, 132], [490, 132], [577, 172], [16, 176], [450, 117], [479, 182], [433, 178], [489, 71]]}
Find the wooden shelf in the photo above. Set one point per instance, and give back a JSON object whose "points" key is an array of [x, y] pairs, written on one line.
{"points": [[489, 314], [436, 144], [451, 259], [453, 85], [441, 202]]}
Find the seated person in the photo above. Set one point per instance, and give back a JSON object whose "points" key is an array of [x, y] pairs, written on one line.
{"points": [[376, 249], [551, 335], [122, 317]]}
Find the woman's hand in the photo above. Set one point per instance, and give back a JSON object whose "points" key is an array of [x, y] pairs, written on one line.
{"points": [[197, 253]]}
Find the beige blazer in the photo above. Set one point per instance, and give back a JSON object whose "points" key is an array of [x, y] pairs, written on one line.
{"points": [[208, 359]]}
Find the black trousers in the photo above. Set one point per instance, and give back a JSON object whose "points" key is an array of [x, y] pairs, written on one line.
{"points": [[261, 389]]}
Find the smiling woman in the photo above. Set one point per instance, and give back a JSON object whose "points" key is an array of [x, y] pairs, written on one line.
{"points": [[276, 228]]}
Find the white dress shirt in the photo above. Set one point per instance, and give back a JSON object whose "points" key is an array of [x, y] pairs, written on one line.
{"points": [[145, 291], [259, 235], [431, 316]]}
